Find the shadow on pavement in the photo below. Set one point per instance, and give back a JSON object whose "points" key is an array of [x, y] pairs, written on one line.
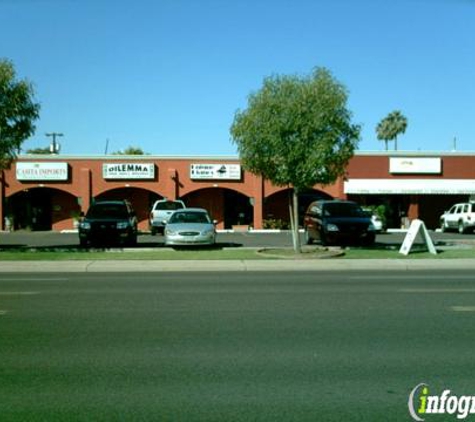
{"points": [[106, 247]]}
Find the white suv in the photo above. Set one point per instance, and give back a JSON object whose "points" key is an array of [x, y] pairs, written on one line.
{"points": [[459, 217], [161, 212]]}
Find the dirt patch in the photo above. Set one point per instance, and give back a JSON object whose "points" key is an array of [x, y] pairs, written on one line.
{"points": [[308, 252]]}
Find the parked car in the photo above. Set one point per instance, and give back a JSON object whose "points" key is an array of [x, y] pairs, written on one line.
{"points": [[190, 226], [460, 217], [108, 222], [338, 222], [161, 212]]}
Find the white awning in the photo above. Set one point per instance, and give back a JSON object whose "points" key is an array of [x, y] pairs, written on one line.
{"points": [[410, 186]]}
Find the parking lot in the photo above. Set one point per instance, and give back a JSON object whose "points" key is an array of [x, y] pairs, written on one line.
{"points": [[70, 240]]}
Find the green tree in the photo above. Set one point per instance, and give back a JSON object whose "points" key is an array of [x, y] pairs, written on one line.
{"points": [[297, 131], [389, 128], [130, 151], [41, 151], [18, 111]]}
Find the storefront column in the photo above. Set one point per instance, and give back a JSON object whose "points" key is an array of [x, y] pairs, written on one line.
{"points": [[413, 211], [85, 191], [171, 184], [258, 199]]}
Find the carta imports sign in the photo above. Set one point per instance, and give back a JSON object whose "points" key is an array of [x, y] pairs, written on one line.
{"points": [[42, 171], [128, 171]]}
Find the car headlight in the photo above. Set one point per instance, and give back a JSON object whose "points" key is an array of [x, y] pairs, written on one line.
{"points": [[122, 225], [208, 232], [332, 228], [84, 225], [169, 232]]}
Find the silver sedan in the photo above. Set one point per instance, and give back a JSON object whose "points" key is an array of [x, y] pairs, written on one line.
{"points": [[190, 226]]}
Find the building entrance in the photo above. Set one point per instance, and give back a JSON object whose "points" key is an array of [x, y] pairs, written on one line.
{"points": [[32, 210]]}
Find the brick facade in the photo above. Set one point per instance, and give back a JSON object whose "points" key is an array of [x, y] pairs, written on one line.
{"points": [[53, 204]]}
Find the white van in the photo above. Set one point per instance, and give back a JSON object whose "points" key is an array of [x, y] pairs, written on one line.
{"points": [[161, 212]]}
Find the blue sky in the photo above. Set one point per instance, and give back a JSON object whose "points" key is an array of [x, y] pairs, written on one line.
{"points": [[168, 75]]}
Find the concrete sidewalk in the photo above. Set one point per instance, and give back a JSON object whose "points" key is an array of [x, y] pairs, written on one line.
{"points": [[138, 266]]}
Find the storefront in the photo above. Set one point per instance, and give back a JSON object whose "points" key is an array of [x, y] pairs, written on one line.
{"points": [[49, 192], [410, 186]]}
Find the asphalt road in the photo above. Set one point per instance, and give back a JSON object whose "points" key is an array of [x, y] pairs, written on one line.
{"points": [[232, 346], [245, 239]]}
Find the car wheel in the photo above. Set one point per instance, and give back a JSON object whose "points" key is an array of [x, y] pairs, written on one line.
{"points": [[323, 240], [443, 227], [153, 231], [370, 240], [461, 227], [308, 238], [132, 240]]}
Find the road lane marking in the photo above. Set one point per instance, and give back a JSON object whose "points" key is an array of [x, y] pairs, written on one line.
{"points": [[463, 308], [19, 293], [413, 277], [435, 290], [34, 279]]}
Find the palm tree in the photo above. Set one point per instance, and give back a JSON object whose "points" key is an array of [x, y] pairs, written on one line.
{"points": [[382, 132], [390, 127]]}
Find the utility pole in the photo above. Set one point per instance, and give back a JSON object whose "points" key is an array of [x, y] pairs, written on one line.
{"points": [[54, 147]]}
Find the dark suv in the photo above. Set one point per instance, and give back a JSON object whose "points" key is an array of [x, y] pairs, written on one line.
{"points": [[109, 222], [338, 222]]}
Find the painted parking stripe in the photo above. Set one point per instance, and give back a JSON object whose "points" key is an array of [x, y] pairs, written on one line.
{"points": [[463, 308]]}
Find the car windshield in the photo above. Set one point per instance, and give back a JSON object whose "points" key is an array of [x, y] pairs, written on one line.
{"points": [[189, 217], [344, 210], [168, 206], [107, 211]]}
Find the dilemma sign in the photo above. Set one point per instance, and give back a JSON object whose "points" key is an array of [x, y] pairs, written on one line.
{"points": [[128, 171]]}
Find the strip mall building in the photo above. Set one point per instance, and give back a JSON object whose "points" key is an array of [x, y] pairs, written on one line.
{"points": [[48, 192]]}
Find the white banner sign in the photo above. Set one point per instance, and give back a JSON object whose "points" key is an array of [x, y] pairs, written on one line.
{"points": [[410, 186], [426, 165], [42, 171], [128, 171], [215, 171]]}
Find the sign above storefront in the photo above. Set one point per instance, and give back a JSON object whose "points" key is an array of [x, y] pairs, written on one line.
{"points": [[215, 171], [411, 165], [42, 171], [128, 171], [410, 186]]}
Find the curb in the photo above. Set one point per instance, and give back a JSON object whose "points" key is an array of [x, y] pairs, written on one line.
{"points": [[320, 265]]}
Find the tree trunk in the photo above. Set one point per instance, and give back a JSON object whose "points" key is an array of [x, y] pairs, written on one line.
{"points": [[291, 219], [294, 220]]}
